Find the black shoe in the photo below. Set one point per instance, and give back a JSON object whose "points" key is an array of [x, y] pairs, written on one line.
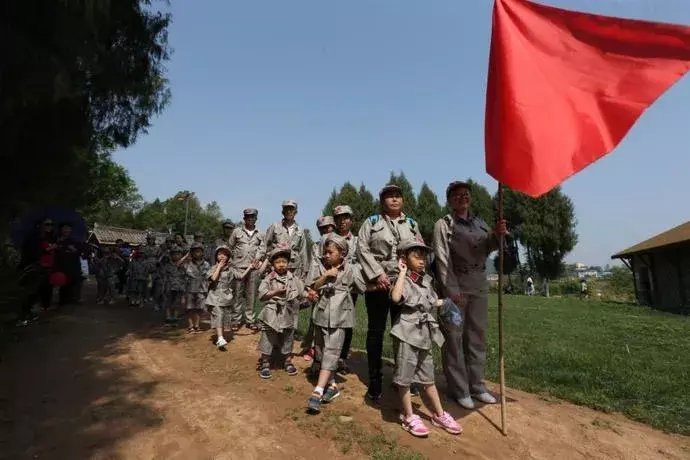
{"points": [[374, 391]]}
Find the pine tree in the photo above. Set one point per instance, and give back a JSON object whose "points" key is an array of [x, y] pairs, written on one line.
{"points": [[428, 212]]}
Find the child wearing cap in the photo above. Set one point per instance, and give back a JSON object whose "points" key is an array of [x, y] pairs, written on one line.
{"points": [[282, 292], [174, 277], [137, 272], [414, 331], [219, 296], [342, 215], [333, 313], [325, 225], [196, 270]]}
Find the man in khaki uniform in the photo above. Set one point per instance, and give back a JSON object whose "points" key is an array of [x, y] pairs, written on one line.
{"points": [[462, 243], [377, 253], [289, 232], [248, 249]]}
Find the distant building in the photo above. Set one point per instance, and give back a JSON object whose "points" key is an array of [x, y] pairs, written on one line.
{"points": [[661, 269], [107, 235]]}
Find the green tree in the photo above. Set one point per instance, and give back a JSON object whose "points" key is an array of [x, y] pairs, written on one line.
{"points": [[113, 198], [79, 80], [544, 227], [409, 199], [428, 212]]}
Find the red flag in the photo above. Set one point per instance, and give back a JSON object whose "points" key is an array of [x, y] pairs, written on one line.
{"points": [[565, 87]]}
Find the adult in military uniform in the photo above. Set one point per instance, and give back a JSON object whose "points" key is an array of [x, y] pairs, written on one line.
{"points": [[248, 250], [288, 232], [462, 243], [377, 253]]}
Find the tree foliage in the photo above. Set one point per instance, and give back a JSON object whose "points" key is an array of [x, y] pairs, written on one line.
{"points": [[428, 212], [79, 79], [544, 227]]}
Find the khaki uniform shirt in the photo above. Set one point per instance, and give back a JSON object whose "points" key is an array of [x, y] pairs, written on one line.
{"points": [[152, 255], [245, 248], [281, 312], [335, 307], [278, 234], [197, 278], [174, 277], [220, 291], [416, 324], [378, 240], [461, 248], [137, 270]]}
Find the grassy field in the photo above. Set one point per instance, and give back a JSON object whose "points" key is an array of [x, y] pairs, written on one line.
{"points": [[611, 357]]}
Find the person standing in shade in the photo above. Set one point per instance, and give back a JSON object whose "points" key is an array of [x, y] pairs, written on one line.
{"points": [[248, 249], [342, 214], [288, 232], [377, 253], [462, 243]]}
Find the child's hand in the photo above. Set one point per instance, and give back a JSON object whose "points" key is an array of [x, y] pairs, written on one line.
{"points": [[331, 272], [312, 295], [280, 292], [402, 266]]}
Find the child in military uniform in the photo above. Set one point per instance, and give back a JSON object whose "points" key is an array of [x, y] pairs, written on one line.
{"points": [[219, 298], [282, 292], [174, 282], [333, 313], [196, 269], [413, 333], [112, 264], [136, 280]]}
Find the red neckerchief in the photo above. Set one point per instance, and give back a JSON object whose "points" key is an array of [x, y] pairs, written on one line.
{"points": [[414, 276]]}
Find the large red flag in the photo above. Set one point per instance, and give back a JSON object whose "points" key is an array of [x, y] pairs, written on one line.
{"points": [[565, 87]]}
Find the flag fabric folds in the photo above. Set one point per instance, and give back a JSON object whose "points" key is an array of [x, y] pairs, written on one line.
{"points": [[565, 87]]}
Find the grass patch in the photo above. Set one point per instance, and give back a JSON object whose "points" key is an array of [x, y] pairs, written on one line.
{"points": [[607, 356], [350, 436]]}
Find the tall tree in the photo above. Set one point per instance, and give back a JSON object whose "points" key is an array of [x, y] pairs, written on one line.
{"points": [[409, 199], [79, 80], [544, 227], [428, 212]]}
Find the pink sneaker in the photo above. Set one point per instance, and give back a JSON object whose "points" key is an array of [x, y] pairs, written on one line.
{"points": [[309, 355], [446, 422], [414, 425]]}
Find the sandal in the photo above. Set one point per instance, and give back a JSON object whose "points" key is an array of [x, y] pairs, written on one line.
{"points": [[290, 369]]}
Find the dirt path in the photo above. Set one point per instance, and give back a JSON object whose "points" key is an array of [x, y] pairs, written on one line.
{"points": [[110, 383]]}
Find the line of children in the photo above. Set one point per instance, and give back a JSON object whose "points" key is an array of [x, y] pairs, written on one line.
{"points": [[107, 265]]}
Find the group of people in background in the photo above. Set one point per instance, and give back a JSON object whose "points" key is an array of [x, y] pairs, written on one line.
{"points": [[436, 293]]}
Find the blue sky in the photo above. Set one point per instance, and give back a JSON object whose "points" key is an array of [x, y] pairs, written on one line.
{"points": [[276, 99]]}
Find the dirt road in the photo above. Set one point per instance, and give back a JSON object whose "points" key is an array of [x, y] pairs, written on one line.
{"points": [[111, 383]]}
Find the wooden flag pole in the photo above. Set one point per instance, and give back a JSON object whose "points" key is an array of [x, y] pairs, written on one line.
{"points": [[501, 351]]}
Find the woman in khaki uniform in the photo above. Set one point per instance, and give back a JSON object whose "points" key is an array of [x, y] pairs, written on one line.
{"points": [[377, 253], [462, 244]]}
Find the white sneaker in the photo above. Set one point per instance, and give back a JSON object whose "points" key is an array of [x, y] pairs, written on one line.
{"points": [[466, 402], [221, 342], [486, 398]]}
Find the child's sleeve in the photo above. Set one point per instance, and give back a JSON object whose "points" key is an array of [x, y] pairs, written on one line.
{"points": [[359, 284], [264, 287], [405, 293], [209, 272]]}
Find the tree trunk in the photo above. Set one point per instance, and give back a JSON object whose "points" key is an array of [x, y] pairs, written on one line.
{"points": [[546, 287]]}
